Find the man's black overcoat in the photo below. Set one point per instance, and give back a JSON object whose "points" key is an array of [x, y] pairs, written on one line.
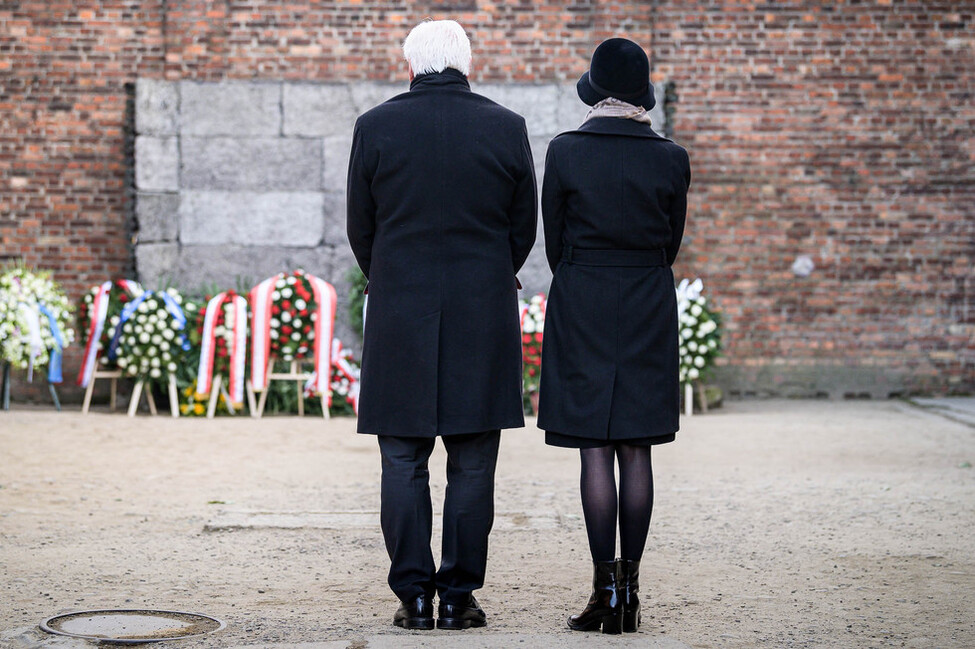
{"points": [[441, 215], [609, 358]]}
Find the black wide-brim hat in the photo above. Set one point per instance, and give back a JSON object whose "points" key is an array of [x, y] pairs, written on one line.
{"points": [[619, 69]]}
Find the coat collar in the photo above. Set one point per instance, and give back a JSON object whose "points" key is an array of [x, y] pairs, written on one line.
{"points": [[449, 78], [618, 126]]}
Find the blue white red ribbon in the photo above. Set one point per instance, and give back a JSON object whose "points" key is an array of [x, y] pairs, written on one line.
{"points": [[54, 360], [175, 311]]}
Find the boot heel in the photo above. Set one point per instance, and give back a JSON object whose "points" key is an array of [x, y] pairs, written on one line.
{"points": [[631, 621], [611, 624]]}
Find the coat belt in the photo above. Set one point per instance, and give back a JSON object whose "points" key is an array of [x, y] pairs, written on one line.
{"points": [[593, 257]]}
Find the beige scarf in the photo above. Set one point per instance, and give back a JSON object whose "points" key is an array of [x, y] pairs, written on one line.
{"points": [[613, 107]]}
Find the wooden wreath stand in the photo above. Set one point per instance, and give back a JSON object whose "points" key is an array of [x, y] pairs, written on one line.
{"points": [[219, 388], [294, 373], [113, 376], [137, 397], [689, 398]]}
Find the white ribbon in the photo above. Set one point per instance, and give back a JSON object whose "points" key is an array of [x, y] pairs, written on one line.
{"points": [[34, 340], [687, 292]]}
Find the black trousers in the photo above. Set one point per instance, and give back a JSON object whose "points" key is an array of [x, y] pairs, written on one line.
{"points": [[407, 514]]}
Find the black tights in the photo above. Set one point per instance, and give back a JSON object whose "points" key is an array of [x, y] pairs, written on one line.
{"points": [[600, 503]]}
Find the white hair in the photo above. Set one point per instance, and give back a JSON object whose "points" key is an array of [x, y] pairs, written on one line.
{"points": [[435, 45]]}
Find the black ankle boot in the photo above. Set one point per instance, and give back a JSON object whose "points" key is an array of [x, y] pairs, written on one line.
{"points": [[605, 606], [629, 587]]}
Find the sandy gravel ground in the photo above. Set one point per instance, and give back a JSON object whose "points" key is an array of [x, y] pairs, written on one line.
{"points": [[777, 524]]}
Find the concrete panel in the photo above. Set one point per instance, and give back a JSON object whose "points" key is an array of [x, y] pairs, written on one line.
{"points": [[157, 216], [155, 263], [235, 108], [156, 107], [318, 109], [335, 154], [260, 163], [333, 220], [538, 104], [244, 266], [251, 218], [156, 163], [367, 95]]}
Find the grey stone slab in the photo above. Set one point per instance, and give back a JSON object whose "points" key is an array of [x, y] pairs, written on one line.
{"points": [[251, 218], [155, 263], [243, 266], [571, 111], [538, 104], [334, 232], [260, 163], [230, 108], [156, 163], [335, 167], [367, 95], [157, 216], [156, 107], [312, 109]]}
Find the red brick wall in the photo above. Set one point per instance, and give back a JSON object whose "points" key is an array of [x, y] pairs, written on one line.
{"points": [[839, 130], [843, 131]]}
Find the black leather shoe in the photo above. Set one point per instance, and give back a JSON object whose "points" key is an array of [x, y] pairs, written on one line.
{"points": [[415, 614], [460, 616]]}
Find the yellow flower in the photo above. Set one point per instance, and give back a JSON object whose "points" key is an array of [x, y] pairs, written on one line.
{"points": [[198, 396], [188, 391], [198, 409], [184, 408]]}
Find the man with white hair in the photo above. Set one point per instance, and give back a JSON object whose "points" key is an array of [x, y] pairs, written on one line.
{"points": [[441, 215]]}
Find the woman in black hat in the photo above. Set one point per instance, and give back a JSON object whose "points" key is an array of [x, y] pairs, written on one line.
{"points": [[614, 200]]}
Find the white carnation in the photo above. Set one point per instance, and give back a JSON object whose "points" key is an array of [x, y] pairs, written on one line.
{"points": [[698, 361], [276, 295], [693, 373], [287, 292]]}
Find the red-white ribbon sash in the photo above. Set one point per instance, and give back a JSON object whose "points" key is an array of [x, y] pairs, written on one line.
{"points": [[326, 299], [345, 368], [238, 346], [260, 300]]}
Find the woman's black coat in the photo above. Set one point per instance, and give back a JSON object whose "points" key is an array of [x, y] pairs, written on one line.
{"points": [[609, 357], [441, 215]]}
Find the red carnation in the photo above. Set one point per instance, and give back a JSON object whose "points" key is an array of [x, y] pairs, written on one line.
{"points": [[221, 352], [123, 297], [286, 304], [531, 371], [286, 330], [307, 328], [538, 337], [275, 309], [526, 338]]}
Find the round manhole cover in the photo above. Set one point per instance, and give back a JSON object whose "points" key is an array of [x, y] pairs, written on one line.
{"points": [[130, 626]]}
